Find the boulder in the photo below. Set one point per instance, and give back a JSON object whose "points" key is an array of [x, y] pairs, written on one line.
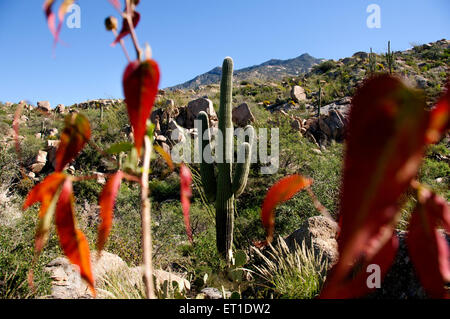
{"points": [[60, 108], [37, 167], [422, 82], [214, 293], [319, 233], [298, 94], [195, 107], [66, 280], [242, 115], [44, 106], [41, 157]]}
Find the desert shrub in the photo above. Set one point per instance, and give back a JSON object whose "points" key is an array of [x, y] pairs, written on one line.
{"points": [[324, 66], [297, 274]]}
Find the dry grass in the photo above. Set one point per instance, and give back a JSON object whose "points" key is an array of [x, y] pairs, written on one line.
{"points": [[293, 275]]}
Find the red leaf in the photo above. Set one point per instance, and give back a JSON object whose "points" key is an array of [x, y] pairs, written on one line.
{"points": [[385, 145], [51, 18], [115, 3], [282, 191], [76, 133], [45, 193], [107, 201], [428, 248], [140, 85], [126, 27], [440, 117], [186, 193], [72, 240]]}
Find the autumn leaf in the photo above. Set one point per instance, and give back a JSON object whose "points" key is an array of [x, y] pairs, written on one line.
{"points": [[51, 17], [167, 158], [76, 133], [427, 246], [384, 148], [140, 84], [46, 192], [186, 193], [106, 201], [282, 191], [72, 240], [126, 27], [115, 4], [440, 117]]}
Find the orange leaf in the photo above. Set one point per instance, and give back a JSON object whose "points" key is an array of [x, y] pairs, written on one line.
{"points": [[45, 193], [72, 240], [75, 135], [282, 191], [186, 193], [106, 201], [140, 85], [165, 156]]}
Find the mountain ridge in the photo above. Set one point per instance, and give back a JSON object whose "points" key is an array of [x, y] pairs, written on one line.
{"points": [[273, 69]]}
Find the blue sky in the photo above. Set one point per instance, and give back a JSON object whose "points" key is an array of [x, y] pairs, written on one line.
{"points": [[191, 37]]}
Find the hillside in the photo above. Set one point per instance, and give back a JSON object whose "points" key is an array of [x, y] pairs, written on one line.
{"points": [[308, 145], [272, 70]]}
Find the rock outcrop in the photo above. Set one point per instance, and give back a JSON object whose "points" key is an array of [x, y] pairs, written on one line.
{"points": [[318, 233], [242, 115], [67, 283], [44, 106]]}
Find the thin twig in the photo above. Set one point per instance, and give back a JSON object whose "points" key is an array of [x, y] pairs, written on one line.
{"points": [[129, 17], [146, 223], [122, 44]]}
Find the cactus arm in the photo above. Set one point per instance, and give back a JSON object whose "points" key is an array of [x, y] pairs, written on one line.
{"points": [[206, 169], [241, 171], [243, 168]]}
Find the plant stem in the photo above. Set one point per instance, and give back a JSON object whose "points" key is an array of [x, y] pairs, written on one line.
{"points": [[129, 17], [122, 44], [146, 223]]}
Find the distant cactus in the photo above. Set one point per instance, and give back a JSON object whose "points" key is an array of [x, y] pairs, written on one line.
{"points": [[372, 62], [226, 186], [390, 58]]}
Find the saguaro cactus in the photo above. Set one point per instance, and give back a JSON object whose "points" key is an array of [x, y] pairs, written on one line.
{"points": [[223, 188], [390, 58], [372, 62]]}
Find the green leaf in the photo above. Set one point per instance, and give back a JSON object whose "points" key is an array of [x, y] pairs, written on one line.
{"points": [[119, 147]]}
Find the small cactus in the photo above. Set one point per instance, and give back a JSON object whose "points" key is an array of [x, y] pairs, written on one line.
{"points": [[223, 188], [372, 62], [390, 58]]}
